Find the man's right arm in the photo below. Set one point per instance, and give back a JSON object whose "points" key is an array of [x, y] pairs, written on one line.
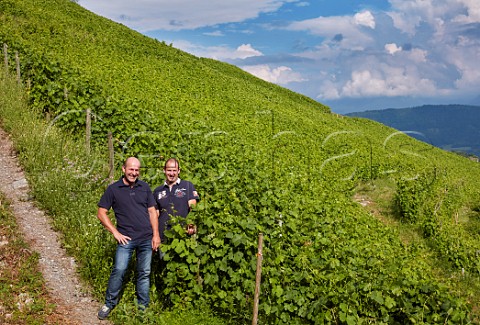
{"points": [[107, 223]]}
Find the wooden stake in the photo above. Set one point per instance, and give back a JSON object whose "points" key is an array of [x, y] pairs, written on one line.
{"points": [[17, 64], [111, 156], [5, 55], [258, 279], [88, 130]]}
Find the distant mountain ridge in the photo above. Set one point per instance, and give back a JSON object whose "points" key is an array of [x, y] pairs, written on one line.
{"points": [[450, 127]]}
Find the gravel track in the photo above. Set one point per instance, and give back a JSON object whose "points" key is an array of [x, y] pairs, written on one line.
{"points": [[73, 301]]}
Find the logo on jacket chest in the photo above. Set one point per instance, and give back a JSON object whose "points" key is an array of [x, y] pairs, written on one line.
{"points": [[162, 195], [180, 192]]}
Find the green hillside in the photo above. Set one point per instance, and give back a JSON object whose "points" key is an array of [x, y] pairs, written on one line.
{"points": [[450, 127], [264, 159]]}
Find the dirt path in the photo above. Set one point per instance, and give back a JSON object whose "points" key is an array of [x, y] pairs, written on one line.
{"points": [[58, 269]]}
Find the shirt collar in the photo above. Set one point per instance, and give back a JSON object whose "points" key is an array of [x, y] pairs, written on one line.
{"points": [[176, 182]]}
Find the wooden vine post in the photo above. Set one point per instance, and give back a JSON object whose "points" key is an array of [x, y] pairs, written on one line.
{"points": [[111, 156], [88, 131], [258, 279], [5, 56], [17, 65]]}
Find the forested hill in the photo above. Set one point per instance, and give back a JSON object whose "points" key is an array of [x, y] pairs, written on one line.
{"points": [[450, 127], [264, 160]]}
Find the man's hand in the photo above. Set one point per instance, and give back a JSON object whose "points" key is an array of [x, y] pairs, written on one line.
{"points": [[107, 223], [191, 229], [121, 239], [155, 242]]}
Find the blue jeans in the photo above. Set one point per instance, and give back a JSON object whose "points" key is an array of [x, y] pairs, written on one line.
{"points": [[143, 249]]}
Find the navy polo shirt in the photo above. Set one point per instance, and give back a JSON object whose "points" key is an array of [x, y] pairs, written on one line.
{"points": [[173, 202], [130, 205]]}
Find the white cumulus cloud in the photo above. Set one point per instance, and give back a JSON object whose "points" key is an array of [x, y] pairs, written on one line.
{"points": [[392, 48], [245, 51], [281, 75], [147, 15], [347, 29], [385, 81], [218, 52], [473, 12], [364, 18]]}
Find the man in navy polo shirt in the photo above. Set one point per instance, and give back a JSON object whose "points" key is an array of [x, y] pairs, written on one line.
{"points": [[175, 197], [136, 230]]}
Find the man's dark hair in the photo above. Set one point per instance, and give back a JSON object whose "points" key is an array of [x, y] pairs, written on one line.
{"points": [[172, 159]]}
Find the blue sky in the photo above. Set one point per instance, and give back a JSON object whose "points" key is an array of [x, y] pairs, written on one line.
{"points": [[350, 55]]}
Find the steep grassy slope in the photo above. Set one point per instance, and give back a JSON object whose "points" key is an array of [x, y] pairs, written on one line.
{"points": [[264, 159]]}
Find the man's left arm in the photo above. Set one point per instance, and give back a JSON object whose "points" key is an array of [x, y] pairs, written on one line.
{"points": [[192, 201], [191, 204], [193, 197], [152, 212]]}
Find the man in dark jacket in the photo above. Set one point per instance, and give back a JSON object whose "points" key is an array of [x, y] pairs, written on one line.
{"points": [[175, 197]]}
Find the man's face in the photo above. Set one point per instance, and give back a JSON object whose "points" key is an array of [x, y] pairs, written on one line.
{"points": [[171, 171], [131, 170]]}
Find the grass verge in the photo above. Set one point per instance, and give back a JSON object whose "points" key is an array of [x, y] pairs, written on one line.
{"points": [[378, 197], [24, 298]]}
